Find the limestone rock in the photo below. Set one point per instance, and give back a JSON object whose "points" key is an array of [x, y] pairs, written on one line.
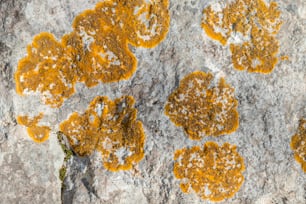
{"points": [[269, 106]]}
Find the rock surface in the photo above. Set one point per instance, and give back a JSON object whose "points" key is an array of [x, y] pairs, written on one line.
{"points": [[270, 106]]}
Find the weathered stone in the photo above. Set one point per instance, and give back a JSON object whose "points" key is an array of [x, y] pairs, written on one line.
{"points": [[270, 107]]}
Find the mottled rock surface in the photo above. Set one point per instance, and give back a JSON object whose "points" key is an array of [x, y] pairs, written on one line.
{"points": [[270, 107]]}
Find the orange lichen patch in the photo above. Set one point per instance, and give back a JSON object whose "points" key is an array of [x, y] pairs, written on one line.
{"points": [[202, 109], [145, 23], [109, 127], [95, 51], [298, 144], [107, 61], [253, 22], [212, 172], [103, 52], [37, 133], [45, 70]]}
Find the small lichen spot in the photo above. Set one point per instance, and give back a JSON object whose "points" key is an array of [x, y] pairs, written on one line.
{"points": [[298, 144], [36, 132]]}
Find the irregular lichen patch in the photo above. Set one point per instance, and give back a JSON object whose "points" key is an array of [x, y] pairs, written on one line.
{"points": [[109, 127], [298, 144], [46, 70], [201, 108], [212, 172], [145, 23], [102, 52], [95, 51], [37, 133], [255, 24]]}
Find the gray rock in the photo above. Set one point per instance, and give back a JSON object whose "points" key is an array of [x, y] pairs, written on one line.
{"points": [[269, 108]]}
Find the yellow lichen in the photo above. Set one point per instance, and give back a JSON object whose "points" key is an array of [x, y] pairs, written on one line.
{"points": [[109, 127], [95, 51], [253, 22], [46, 70], [298, 144], [202, 109], [37, 133], [145, 23], [212, 172]]}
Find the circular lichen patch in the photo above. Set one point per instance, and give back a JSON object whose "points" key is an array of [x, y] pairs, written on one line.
{"points": [[212, 172], [201, 108]]}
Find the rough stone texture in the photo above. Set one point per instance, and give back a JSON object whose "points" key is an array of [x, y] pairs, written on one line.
{"points": [[269, 107]]}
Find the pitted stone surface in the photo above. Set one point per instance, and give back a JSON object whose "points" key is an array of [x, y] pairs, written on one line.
{"points": [[269, 107]]}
